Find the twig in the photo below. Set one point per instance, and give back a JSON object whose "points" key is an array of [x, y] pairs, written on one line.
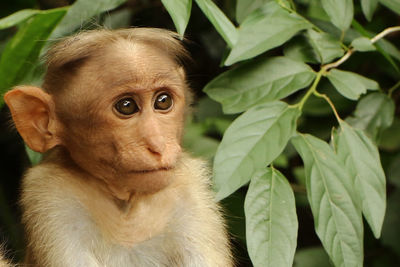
{"points": [[327, 99], [352, 50], [312, 89], [394, 87], [384, 33]]}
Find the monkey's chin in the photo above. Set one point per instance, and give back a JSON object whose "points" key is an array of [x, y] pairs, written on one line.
{"points": [[149, 181]]}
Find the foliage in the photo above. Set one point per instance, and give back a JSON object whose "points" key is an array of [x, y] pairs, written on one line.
{"points": [[290, 61]]}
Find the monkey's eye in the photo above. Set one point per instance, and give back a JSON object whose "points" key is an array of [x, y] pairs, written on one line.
{"points": [[163, 101], [126, 106]]}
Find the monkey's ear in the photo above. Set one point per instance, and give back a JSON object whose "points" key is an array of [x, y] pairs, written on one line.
{"points": [[32, 110]]}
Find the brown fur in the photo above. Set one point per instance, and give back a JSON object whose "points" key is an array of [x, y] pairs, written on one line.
{"points": [[115, 190]]}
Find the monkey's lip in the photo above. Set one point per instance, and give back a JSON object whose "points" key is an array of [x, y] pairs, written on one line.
{"points": [[167, 168]]}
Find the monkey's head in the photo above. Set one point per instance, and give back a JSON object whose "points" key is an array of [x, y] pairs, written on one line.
{"points": [[115, 101]]}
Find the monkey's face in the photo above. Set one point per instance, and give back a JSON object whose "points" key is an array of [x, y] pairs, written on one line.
{"points": [[123, 118]]}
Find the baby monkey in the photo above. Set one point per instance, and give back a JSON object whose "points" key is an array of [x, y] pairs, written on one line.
{"points": [[115, 188]]}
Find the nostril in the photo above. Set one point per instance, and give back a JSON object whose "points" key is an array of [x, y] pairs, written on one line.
{"points": [[154, 151]]}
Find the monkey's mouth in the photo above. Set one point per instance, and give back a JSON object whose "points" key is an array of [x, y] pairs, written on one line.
{"points": [[168, 168]]}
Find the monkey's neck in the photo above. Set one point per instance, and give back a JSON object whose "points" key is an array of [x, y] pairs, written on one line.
{"points": [[126, 221], [129, 222]]}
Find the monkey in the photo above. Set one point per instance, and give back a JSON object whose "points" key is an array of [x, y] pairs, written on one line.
{"points": [[114, 187]]}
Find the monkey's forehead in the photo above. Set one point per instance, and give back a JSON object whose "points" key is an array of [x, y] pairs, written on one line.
{"points": [[135, 62]]}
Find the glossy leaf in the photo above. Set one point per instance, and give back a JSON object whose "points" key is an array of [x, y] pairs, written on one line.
{"points": [[259, 81], [368, 7], [311, 257], [389, 48], [80, 12], [24, 48], [394, 5], [326, 47], [361, 158], [118, 19], [246, 7], [363, 44], [350, 84], [17, 18], [373, 114], [266, 28], [330, 191], [179, 11], [300, 49], [252, 142], [340, 12], [221, 23], [271, 220]]}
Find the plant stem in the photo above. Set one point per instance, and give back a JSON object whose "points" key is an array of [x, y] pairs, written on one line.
{"points": [[394, 87], [384, 33], [330, 103], [312, 89], [340, 61], [298, 188], [293, 5], [293, 10], [351, 50]]}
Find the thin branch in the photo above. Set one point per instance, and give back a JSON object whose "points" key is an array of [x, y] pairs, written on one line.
{"points": [[351, 50], [340, 61], [330, 103], [384, 33], [312, 89], [394, 87]]}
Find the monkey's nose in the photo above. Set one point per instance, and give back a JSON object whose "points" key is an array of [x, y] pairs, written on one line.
{"points": [[156, 144]]}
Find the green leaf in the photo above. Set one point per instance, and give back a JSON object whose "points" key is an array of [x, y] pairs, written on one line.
{"points": [[385, 48], [246, 7], [221, 23], [266, 28], [300, 49], [34, 157], [368, 7], [389, 48], [361, 158], [252, 142], [363, 44], [390, 140], [325, 45], [316, 11], [394, 5], [350, 84], [80, 12], [17, 18], [198, 144], [118, 19], [330, 192], [340, 12], [179, 11], [258, 81], [24, 48], [374, 113], [311, 257], [271, 220]]}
